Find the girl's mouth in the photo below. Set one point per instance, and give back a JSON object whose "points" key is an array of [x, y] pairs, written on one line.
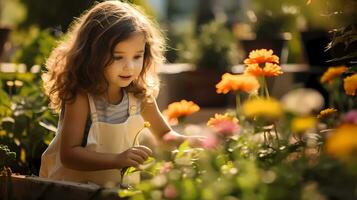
{"points": [[125, 77]]}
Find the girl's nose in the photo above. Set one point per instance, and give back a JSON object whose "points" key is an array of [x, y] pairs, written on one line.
{"points": [[130, 65]]}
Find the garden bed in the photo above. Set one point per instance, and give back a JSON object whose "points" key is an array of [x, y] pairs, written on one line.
{"points": [[30, 187]]}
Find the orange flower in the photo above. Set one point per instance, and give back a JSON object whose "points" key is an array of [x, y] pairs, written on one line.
{"points": [[331, 73], [343, 142], [180, 109], [270, 69], [243, 82], [350, 85], [261, 56], [219, 118], [326, 113]]}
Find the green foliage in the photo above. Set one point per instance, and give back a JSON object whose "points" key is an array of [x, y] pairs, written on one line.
{"points": [[11, 12], [273, 18], [6, 156], [58, 13], [37, 50], [26, 123], [214, 48]]}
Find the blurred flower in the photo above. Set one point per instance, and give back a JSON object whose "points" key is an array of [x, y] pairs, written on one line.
{"points": [[2, 133], [180, 109], [351, 117], [267, 108], [218, 118], [170, 192], [231, 82], [226, 128], [343, 141], [23, 155], [270, 69], [302, 101], [261, 56], [350, 85], [326, 113], [166, 167], [301, 124], [210, 142], [332, 72], [147, 124]]}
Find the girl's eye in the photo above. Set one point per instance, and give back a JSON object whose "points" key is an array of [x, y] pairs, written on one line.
{"points": [[138, 56], [117, 57]]}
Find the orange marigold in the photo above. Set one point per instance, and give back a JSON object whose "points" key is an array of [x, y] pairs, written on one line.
{"points": [[180, 109], [350, 84], [270, 69], [261, 56], [332, 72], [241, 82], [327, 112], [219, 118]]}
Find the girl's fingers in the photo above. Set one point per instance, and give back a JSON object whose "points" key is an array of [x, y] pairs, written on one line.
{"points": [[139, 159], [133, 163], [140, 153], [144, 149]]}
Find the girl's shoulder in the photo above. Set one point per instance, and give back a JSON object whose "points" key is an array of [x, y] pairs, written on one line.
{"points": [[79, 104]]}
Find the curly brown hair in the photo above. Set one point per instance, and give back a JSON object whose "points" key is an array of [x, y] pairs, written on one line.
{"points": [[77, 64]]}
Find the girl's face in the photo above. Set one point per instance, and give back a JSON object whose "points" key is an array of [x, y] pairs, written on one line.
{"points": [[128, 62]]}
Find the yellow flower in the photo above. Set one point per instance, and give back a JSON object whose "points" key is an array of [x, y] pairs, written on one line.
{"points": [[23, 155], [147, 124], [261, 56], [2, 133], [270, 69], [343, 141], [332, 72], [301, 124], [232, 82], [180, 109], [267, 108], [350, 85], [219, 118], [326, 113]]}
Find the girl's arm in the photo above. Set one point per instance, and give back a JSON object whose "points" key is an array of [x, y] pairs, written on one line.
{"points": [[74, 156], [161, 129]]}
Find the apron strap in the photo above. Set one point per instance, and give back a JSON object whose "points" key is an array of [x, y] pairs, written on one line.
{"points": [[133, 107], [93, 111]]}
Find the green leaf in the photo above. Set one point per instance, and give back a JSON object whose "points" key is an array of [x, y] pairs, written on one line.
{"points": [[123, 193], [182, 148]]}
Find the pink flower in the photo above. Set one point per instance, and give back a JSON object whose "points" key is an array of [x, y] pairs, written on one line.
{"points": [[170, 192], [351, 117], [226, 128], [166, 167], [170, 137], [210, 142]]}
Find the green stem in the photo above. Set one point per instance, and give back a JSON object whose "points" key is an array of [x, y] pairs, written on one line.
{"points": [[277, 135], [266, 88], [136, 136], [238, 105], [123, 170]]}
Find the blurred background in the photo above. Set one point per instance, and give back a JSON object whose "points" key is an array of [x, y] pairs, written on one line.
{"points": [[205, 38]]}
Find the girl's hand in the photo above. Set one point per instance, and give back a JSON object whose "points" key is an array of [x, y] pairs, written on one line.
{"points": [[175, 139], [196, 141], [133, 157]]}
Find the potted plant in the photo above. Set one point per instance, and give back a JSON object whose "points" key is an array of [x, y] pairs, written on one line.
{"points": [[271, 24], [4, 31], [212, 52]]}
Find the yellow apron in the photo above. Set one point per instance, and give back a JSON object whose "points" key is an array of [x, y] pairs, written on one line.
{"points": [[103, 137]]}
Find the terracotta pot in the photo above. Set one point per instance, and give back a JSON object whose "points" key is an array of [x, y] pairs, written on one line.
{"points": [[198, 86], [278, 45], [4, 34]]}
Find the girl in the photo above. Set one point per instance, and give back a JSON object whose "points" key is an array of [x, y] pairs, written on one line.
{"points": [[102, 79]]}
